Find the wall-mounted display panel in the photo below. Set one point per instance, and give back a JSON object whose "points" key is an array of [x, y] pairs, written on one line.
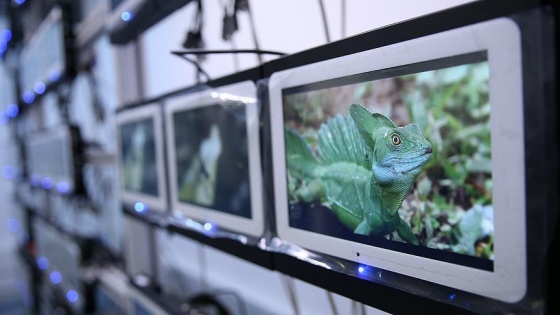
{"points": [[52, 159], [214, 157], [400, 158], [141, 158], [43, 59]]}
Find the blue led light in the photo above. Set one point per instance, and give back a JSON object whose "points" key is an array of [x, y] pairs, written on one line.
{"points": [[40, 88], [62, 187], [8, 172], [43, 263], [54, 76], [126, 16], [28, 97], [55, 277], [13, 225], [47, 183], [19, 2], [208, 226], [6, 35], [139, 207], [452, 297], [72, 296], [361, 269], [12, 110]]}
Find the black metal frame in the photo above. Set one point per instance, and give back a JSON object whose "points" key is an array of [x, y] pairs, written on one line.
{"points": [[149, 14]]}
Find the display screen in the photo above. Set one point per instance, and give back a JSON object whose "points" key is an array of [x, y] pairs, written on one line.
{"points": [[398, 158], [43, 59], [141, 310], [138, 157], [211, 158], [51, 159], [106, 304]]}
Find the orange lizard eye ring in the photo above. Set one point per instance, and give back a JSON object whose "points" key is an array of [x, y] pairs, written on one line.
{"points": [[395, 139]]}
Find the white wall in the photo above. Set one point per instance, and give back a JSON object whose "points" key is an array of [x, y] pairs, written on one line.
{"points": [[287, 26]]}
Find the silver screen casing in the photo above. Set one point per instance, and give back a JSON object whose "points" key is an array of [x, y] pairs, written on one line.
{"points": [[130, 198], [246, 92], [501, 39]]}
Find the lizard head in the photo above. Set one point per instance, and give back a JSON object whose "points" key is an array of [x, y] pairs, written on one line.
{"points": [[399, 153]]}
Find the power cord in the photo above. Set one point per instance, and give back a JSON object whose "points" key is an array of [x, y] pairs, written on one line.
{"points": [[332, 302], [204, 52], [210, 299], [290, 289], [325, 24]]}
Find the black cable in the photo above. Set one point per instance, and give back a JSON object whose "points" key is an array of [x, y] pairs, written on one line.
{"points": [[240, 302], [226, 51], [197, 66], [203, 52], [64, 94], [254, 32], [210, 298], [325, 25], [98, 108]]}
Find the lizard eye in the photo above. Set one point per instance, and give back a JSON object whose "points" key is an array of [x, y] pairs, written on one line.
{"points": [[395, 139]]}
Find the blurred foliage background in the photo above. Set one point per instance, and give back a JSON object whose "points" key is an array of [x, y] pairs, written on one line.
{"points": [[450, 207]]}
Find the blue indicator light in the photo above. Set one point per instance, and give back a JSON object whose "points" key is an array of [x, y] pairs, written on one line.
{"points": [[42, 263], [12, 110], [28, 97], [6, 35], [19, 2], [47, 183], [8, 172], [208, 226], [452, 296], [361, 269], [55, 277], [139, 207], [13, 225], [40, 87], [62, 187], [126, 16], [72, 296]]}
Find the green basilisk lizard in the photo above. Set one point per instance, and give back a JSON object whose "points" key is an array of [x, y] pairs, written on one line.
{"points": [[363, 168]]}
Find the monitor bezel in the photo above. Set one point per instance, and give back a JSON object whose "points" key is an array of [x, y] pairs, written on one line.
{"points": [[253, 226], [501, 39], [33, 48], [130, 198], [47, 137], [136, 296]]}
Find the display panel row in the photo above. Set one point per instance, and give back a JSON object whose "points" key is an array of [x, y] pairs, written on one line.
{"points": [[403, 158]]}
